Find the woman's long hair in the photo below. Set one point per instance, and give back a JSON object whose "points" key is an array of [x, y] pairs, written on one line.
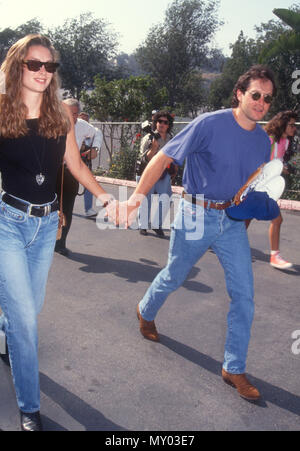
{"points": [[53, 120], [277, 126]]}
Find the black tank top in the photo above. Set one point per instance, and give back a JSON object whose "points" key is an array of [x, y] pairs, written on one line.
{"points": [[23, 159]]}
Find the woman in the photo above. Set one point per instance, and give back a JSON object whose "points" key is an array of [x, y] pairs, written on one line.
{"points": [[281, 129], [150, 145], [36, 133]]}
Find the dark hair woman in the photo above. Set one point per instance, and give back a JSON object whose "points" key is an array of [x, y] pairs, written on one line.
{"points": [[281, 129]]}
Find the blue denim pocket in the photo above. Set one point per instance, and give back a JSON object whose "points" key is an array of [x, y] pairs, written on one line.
{"points": [[11, 214]]}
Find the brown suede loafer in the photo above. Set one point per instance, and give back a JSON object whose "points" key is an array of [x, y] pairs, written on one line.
{"points": [[243, 386], [147, 328]]}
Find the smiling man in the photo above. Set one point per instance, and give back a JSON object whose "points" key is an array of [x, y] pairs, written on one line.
{"points": [[221, 150]]}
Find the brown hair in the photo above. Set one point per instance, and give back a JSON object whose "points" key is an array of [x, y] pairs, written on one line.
{"points": [[160, 114], [53, 120], [277, 125], [257, 72]]}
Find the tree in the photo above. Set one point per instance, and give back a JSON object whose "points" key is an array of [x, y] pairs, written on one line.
{"points": [[86, 46], [124, 100], [193, 95], [175, 48], [244, 54], [282, 54], [9, 36]]}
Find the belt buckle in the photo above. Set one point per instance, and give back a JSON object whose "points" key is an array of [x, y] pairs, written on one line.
{"points": [[46, 210], [219, 204], [29, 210]]}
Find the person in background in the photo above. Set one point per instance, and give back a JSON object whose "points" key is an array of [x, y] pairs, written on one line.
{"points": [[152, 143], [93, 143], [83, 130], [281, 130]]}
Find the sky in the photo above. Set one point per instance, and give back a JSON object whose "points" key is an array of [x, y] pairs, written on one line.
{"points": [[132, 19]]}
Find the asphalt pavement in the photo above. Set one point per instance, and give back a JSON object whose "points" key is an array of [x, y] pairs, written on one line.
{"points": [[98, 373]]}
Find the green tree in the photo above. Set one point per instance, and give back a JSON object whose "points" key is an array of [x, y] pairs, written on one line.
{"points": [[282, 53], [193, 95], [123, 100], [244, 54], [86, 45], [9, 36], [175, 48]]}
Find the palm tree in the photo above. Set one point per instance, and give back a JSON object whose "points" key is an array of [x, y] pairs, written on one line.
{"points": [[288, 41]]}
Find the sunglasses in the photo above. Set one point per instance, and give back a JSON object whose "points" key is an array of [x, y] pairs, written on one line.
{"points": [[162, 121], [35, 66], [293, 125], [257, 95]]}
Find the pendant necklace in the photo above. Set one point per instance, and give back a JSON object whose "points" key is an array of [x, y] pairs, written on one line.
{"points": [[39, 178]]}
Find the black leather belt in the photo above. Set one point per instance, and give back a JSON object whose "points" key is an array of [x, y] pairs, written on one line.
{"points": [[31, 209]]}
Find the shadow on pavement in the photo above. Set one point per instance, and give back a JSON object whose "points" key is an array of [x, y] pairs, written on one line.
{"points": [[270, 393], [134, 272], [83, 413]]}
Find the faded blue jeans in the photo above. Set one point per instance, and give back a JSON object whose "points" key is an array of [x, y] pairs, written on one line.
{"points": [[26, 249], [148, 220], [229, 241]]}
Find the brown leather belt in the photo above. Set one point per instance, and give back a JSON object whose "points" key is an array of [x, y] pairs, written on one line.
{"points": [[206, 203]]}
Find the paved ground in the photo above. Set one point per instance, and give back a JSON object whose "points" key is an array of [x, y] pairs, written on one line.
{"points": [[98, 373]]}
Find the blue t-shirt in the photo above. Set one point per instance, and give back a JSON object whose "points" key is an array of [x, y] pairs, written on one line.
{"points": [[220, 155]]}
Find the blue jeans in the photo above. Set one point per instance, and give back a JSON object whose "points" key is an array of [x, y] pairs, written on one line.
{"points": [[154, 221], [229, 241], [26, 249], [88, 200]]}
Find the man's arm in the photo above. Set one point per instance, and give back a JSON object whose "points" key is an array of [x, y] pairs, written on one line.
{"points": [[126, 211]]}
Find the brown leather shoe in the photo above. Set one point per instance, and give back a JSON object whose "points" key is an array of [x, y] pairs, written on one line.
{"points": [[243, 386], [147, 328]]}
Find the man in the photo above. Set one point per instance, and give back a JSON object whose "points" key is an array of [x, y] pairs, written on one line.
{"points": [[222, 149], [93, 140], [83, 131]]}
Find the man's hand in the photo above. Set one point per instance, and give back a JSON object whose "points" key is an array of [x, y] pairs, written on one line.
{"points": [[123, 213]]}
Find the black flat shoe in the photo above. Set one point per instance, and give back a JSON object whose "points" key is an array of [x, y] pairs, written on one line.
{"points": [[31, 422], [62, 250], [159, 232]]}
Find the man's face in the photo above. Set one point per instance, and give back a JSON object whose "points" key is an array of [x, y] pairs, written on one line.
{"points": [[251, 110], [75, 112]]}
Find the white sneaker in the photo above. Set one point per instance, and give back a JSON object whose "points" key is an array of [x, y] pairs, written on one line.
{"points": [[2, 343], [90, 213], [278, 262]]}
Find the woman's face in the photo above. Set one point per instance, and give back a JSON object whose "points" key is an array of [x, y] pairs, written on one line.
{"points": [[291, 128], [37, 82], [162, 124]]}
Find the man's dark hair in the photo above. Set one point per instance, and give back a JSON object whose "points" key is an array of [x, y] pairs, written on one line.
{"points": [[160, 114], [257, 72]]}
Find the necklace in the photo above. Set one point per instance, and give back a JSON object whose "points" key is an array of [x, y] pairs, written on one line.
{"points": [[40, 158]]}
